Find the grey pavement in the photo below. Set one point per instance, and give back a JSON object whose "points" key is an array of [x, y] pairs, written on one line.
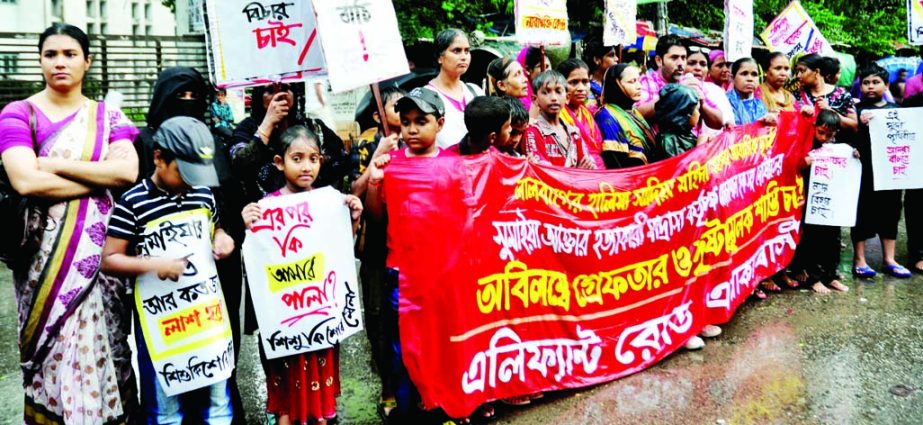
{"points": [[796, 358]]}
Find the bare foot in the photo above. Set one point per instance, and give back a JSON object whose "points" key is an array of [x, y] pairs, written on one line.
{"points": [[835, 284], [820, 288], [919, 265], [802, 276], [770, 286]]}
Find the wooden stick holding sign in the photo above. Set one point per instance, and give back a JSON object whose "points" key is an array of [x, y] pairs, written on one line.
{"points": [[382, 119]]}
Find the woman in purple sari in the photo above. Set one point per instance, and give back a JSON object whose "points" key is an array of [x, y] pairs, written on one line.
{"points": [[66, 151]]}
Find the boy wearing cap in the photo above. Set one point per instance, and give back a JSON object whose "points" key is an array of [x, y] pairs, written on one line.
{"points": [[178, 189], [422, 115]]}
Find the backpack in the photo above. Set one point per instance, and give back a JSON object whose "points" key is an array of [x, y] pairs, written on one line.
{"points": [[18, 247]]}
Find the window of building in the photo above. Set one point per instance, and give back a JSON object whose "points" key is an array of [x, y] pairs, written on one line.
{"points": [[103, 12], [57, 8], [7, 1], [8, 62]]}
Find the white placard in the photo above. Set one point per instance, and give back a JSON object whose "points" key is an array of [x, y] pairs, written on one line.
{"points": [[362, 43], [185, 323], [302, 273], [915, 22], [620, 23], [541, 22], [897, 148], [793, 32], [738, 29], [260, 42], [833, 191]]}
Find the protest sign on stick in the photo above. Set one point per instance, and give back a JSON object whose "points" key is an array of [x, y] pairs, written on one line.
{"points": [[793, 31], [255, 43], [833, 191], [362, 43], [541, 22], [301, 272], [619, 28], [738, 29], [185, 323], [897, 148]]}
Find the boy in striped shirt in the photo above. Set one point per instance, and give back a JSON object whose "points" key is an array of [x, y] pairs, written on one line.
{"points": [[161, 221]]}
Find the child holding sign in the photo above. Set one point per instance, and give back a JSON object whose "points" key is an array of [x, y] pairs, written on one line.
{"points": [[878, 212], [301, 388], [166, 221], [818, 254]]}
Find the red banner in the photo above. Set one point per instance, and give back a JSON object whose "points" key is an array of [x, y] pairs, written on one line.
{"points": [[518, 278]]}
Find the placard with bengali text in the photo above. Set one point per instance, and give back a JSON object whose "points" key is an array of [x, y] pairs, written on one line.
{"points": [[301, 273]]}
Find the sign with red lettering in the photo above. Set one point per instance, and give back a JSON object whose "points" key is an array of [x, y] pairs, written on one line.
{"points": [[185, 324], [521, 278], [542, 22], [301, 272], [260, 42], [793, 31], [362, 43], [897, 144]]}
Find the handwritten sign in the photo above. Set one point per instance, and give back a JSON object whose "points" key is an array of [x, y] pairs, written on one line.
{"points": [[185, 323], [362, 43], [619, 28], [915, 22], [897, 148], [738, 29], [547, 278], [833, 191], [793, 32], [259, 42], [541, 22], [302, 274]]}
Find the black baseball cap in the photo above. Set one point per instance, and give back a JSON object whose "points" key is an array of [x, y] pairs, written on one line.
{"points": [[423, 99], [190, 141]]}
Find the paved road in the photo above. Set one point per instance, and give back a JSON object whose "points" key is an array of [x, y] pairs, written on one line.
{"points": [[797, 358]]}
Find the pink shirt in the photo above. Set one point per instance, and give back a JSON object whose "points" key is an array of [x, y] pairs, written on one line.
{"points": [[913, 86]]}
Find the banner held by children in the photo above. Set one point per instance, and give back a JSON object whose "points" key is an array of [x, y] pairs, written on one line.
{"points": [[542, 22], [793, 32], [619, 28], [897, 148], [302, 273], [185, 325], [829, 203], [253, 43], [738, 29], [587, 275], [362, 43], [915, 22]]}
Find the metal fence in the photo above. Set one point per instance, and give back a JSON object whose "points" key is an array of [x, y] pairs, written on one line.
{"points": [[127, 64]]}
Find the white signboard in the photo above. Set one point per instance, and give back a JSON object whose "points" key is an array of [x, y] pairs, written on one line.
{"points": [[793, 32], [541, 22], [185, 323], [362, 43], [834, 186], [897, 148], [260, 42], [915, 22], [738, 29], [302, 273], [619, 28]]}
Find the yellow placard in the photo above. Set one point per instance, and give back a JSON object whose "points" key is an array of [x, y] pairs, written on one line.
{"points": [[306, 270]]}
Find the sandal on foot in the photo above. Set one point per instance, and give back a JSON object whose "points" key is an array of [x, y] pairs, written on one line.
{"points": [[710, 331], [770, 286], [788, 281], [759, 294], [898, 271], [517, 401], [863, 271]]}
